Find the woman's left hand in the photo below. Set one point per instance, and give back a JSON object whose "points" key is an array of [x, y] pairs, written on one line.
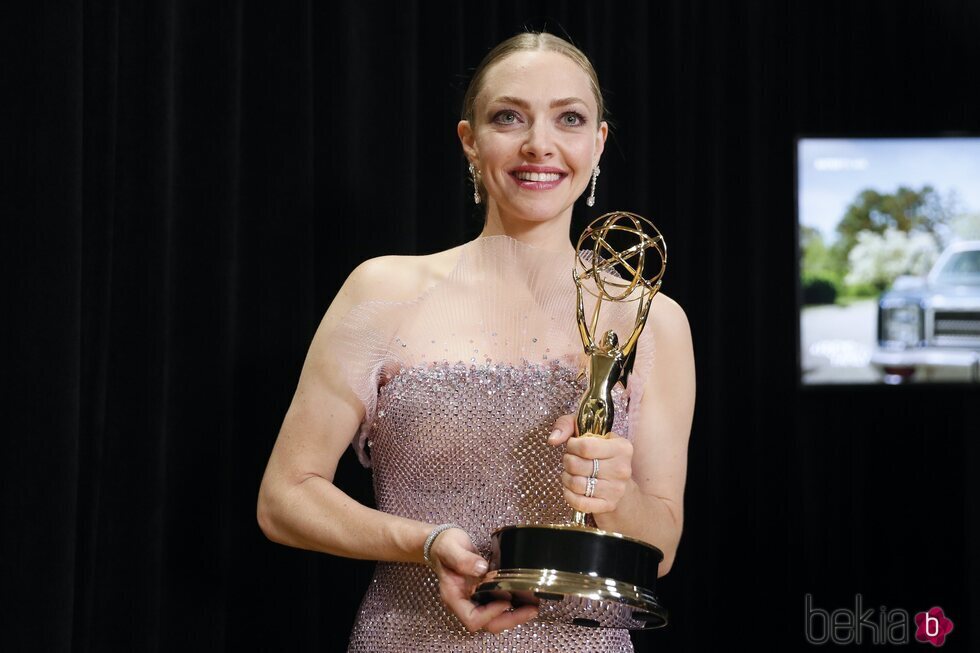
{"points": [[615, 456]]}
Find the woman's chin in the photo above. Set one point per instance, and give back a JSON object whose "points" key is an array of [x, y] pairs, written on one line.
{"points": [[536, 212]]}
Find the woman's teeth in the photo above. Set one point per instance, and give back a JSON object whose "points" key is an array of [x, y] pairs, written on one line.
{"points": [[538, 176]]}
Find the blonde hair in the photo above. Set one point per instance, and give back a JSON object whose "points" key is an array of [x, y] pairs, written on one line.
{"points": [[529, 42]]}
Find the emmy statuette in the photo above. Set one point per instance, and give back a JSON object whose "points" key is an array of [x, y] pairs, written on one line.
{"points": [[576, 573]]}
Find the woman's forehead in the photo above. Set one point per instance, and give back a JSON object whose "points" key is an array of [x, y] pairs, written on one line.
{"points": [[537, 76]]}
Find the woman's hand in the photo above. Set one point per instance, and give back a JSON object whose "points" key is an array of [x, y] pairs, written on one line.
{"points": [[615, 456], [460, 569]]}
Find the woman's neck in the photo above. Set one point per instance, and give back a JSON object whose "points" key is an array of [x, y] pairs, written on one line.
{"points": [[551, 235]]}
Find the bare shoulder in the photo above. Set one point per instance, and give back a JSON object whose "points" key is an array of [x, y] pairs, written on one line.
{"points": [[667, 307], [669, 321], [400, 278]]}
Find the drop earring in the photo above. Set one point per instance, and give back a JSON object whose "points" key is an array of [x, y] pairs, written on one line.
{"points": [[474, 175], [595, 175]]}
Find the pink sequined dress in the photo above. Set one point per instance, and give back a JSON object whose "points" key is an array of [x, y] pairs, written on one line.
{"points": [[461, 386]]}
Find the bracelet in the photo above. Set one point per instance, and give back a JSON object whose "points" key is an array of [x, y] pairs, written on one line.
{"points": [[426, 550]]}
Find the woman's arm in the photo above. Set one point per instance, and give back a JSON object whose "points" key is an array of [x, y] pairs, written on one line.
{"points": [[652, 509], [640, 488], [298, 504]]}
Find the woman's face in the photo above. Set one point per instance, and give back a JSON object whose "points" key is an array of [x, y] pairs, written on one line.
{"points": [[535, 114]]}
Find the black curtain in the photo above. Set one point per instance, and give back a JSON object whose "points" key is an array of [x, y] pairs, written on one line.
{"points": [[189, 183]]}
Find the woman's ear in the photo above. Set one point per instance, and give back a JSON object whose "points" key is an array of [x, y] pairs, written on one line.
{"points": [[468, 140], [600, 140]]}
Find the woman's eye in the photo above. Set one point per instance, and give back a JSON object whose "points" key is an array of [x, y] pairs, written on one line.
{"points": [[569, 119]]}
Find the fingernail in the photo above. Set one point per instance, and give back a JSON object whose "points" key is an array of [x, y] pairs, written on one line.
{"points": [[481, 567], [554, 435]]}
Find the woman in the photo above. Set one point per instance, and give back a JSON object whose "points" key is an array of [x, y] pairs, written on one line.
{"points": [[450, 371]]}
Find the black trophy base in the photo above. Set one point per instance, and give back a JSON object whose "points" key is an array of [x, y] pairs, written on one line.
{"points": [[575, 574]]}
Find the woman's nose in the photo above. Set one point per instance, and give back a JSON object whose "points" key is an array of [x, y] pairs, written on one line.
{"points": [[539, 142]]}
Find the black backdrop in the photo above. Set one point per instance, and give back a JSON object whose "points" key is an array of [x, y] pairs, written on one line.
{"points": [[189, 183]]}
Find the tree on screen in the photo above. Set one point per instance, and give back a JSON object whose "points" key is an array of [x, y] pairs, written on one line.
{"points": [[906, 210], [879, 259]]}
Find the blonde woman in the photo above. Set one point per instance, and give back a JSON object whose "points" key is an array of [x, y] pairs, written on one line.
{"points": [[455, 377]]}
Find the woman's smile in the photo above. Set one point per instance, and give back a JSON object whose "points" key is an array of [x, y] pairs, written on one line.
{"points": [[537, 177]]}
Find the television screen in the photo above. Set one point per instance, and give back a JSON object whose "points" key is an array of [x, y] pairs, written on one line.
{"points": [[889, 255]]}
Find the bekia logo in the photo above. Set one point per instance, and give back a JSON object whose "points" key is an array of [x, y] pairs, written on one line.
{"points": [[845, 626], [932, 626]]}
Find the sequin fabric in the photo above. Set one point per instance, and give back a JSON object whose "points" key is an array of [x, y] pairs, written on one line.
{"points": [[466, 443], [461, 382]]}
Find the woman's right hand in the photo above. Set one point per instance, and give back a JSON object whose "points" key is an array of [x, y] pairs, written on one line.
{"points": [[460, 569]]}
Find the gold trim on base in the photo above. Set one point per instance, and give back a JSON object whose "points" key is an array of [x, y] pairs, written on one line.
{"points": [[552, 581]]}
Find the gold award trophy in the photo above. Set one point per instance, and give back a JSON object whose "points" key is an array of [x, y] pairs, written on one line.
{"points": [[576, 573]]}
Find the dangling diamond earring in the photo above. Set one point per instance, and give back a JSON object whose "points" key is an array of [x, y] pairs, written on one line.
{"points": [[474, 173], [591, 199]]}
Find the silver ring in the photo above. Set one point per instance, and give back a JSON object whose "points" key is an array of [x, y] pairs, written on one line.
{"points": [[590, 488], [595, 468]]}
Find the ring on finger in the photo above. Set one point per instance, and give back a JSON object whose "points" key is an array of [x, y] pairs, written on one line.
{"points": [[590, 487]]}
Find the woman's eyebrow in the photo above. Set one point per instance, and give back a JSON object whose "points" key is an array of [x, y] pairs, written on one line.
{"points": [[508, 99]]}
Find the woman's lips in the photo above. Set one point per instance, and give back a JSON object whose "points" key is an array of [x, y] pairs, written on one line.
{"points": [[537, 185]]}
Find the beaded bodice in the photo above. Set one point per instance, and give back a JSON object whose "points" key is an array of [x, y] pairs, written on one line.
{"points": [[467, 442], [460, 388]]}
